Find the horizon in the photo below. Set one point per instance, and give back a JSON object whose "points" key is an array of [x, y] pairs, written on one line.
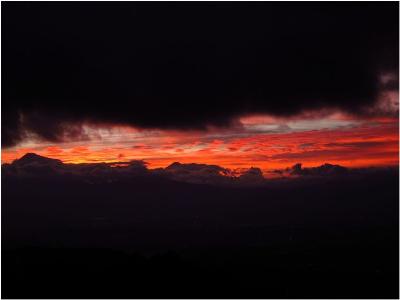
{"points": [[264, 142], [235, 172]]}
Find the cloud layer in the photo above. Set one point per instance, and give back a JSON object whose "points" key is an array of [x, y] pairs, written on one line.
{"points": [[268, 143], [188, 66], [35, 166]]}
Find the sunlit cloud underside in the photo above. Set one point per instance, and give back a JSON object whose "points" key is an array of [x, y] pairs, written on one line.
{"points": [[255, 141]]}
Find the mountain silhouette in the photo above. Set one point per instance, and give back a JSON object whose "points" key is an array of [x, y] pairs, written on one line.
{"points": [[33, 158]]}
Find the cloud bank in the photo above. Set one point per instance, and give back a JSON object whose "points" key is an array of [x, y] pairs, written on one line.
{"points": [[35, 166], [189, 66]]}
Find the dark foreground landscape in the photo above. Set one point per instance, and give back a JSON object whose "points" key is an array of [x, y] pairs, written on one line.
{"points": [[93, 231]]}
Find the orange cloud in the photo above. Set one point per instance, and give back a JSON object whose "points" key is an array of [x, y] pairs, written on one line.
{"points": [[336, 140]]}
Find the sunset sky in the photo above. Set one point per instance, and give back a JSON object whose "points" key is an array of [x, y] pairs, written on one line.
{"points": [[269, 87], [262, 141]]}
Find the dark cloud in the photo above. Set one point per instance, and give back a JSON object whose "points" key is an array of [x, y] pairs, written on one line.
{"points": [[198, 173], [35, 166], [252, 176], [188, 65], [323, 170]]}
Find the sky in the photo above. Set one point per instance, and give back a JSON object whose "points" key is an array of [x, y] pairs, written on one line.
{"points": [[256, 141], [263, 85]]}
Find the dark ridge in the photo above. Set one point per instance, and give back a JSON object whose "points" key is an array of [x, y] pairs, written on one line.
{"points": [[29, 158]]}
